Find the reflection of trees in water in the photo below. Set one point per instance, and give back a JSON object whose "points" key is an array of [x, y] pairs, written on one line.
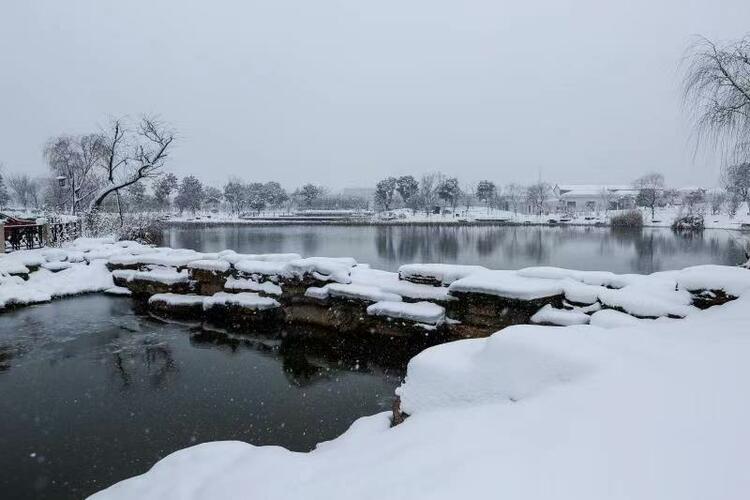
{"points": [[310, 354], [7, 353], [510, 246], [154, 358]]}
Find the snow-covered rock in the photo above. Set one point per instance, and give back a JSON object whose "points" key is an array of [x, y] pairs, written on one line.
{"points": [[507, 284], [246, 300], [419, 312], [360, 292], [562, 317], [214, 265], [261, 267], [240, 284]]}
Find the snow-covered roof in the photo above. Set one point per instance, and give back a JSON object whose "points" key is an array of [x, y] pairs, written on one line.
{"points": [[571, 190]]}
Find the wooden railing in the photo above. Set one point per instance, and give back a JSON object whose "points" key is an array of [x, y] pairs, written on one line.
{"points": [[29, 236]]}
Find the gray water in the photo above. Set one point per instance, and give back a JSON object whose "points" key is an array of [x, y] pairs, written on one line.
{"points": [[92, 393], [499, 247]]}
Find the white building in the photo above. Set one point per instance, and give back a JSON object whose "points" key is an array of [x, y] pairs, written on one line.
{"points": [[593, 197]]}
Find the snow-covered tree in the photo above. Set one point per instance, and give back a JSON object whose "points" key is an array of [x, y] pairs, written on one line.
{"points": [[384, 191], [717, 199], [605, 198], [717, 88], [736, 180], [75, 162], [275, 195], [164, 186], [407, 188], [136, 196], [308, 194], [4, 196], [236, 195], [486, 192], [514, 193], [428, 191], [190, 194], [449, 191], [20, 188], [131, 155], [650, 188], [256, 196], [693, 200], [537, 196]]}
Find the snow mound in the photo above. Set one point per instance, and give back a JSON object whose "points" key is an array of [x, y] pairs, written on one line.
{"points": [[609, 318], [390, 282], [360, 292], [507, 284], [165, 275], [733, 280], [238, 284], [508, 367], [562, 317], [247, 300], [176, 299], [419, 312], [219, 266], [233, 257], [337, 269], [265, 268]]}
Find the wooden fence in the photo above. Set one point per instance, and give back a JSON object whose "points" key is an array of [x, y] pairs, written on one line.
{"points": [[16, 235]]}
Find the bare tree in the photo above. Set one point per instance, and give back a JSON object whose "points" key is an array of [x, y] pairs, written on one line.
{"points": [[717, 89], [19, 187], [717, 199], [650, 189], [514, 193], [605, 197], [486, 192], [537, 196], [736, 180], [428, 191], [74, 161], [132, 156]]}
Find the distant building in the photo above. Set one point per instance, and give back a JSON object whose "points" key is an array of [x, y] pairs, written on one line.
{"points": [[593, 197]]}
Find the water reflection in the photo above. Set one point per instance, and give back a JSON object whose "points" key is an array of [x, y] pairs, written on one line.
{"points": [[500, 247], [93, 393]]}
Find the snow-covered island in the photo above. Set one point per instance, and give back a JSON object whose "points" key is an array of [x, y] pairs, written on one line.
{"points": [[641, 394]]}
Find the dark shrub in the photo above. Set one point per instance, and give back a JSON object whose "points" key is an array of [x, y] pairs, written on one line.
{"points": [[631, 218]]}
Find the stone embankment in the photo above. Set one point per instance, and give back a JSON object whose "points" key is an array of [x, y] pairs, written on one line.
{"points": [[240, 291]]}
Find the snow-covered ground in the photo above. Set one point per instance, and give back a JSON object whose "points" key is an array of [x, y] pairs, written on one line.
{"points": [[618, 408]]}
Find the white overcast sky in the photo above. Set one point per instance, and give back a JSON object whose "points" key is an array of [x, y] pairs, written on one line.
{"points": [[345, 92]]}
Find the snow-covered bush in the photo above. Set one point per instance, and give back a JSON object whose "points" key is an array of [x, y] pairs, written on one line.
{"points": [[141, 227], [688, 223], [631, 218]]}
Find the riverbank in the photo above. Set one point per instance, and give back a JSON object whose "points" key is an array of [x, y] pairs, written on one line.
{"points": [[474, 216]]}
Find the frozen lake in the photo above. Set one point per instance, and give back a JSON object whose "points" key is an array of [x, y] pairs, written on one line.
{"points": [[498, 247], [93, 393]]}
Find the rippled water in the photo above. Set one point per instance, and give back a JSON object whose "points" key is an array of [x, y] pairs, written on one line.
{"points": [[91, 393], [497, 247]]}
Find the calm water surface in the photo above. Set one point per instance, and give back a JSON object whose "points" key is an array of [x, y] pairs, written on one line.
{"points": [[92, 393], [498, 247]]}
